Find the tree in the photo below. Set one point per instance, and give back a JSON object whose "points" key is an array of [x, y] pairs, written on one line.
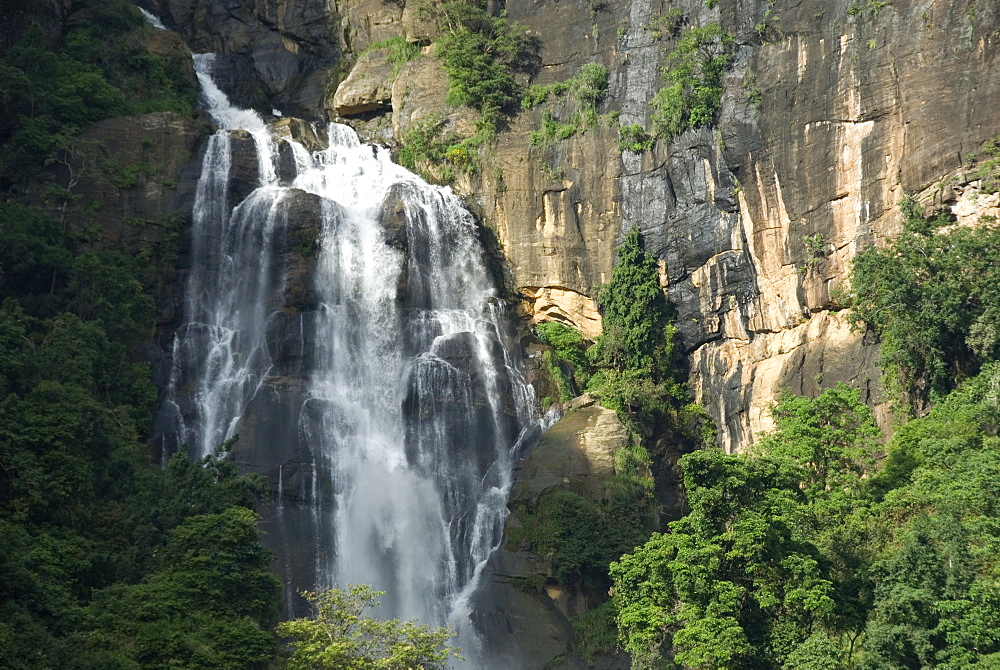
{"points": [[345, 636], [734, 584]]}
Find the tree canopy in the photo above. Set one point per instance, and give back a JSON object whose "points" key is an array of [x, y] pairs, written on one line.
{"points": [[344, 634]]}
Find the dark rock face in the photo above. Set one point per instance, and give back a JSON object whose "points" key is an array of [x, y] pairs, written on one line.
{"points": [[271, 53], [19, 15], [151, 210]]}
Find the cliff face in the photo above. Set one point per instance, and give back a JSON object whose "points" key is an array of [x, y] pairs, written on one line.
{"points": [[830, 113]]}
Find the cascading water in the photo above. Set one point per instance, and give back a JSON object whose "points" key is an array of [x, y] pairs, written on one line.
{"points": [[385, 407]]}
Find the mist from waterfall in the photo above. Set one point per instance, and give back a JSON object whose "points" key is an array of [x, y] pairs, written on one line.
{"points": [[400, 399]]}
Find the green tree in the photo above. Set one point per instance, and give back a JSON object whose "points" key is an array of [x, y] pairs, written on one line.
{"points": [[933, 297], [637, 335], [344, 635], [212, 604], [734, 584]]}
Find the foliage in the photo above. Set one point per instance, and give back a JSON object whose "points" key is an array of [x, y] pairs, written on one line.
{"points": [[810, 552], [427, 148], [595, 631], [667, 24], [482, 54], [635, 315], [988, 171], [588, 88], [109, 561], [568, 344], [397, 50], [582, 536], [343, 635], [101, 69], [634, 138], [211, 605], [931, 295], [693, 76], [815, 248]]}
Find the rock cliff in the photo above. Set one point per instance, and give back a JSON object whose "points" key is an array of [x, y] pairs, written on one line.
{"points": [[830, 113]]}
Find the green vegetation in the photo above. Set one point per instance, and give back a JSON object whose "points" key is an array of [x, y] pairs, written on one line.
{"points": [[858, 8], [569, 346], [807, 554], [634, 138], [100, 70], [396, 50], [428, 149], [815, 248], [582, 536], [931, 296], [481, 55], [666, 25], [344, 636], [632, 369], [587, 87], [693, 75], [988, 171], [109, 561]]}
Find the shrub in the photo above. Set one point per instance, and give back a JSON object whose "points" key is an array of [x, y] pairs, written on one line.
{"points": [[588, 88], [988, 171], [693, 75], [482, 54], [425, 147], [568, 344], [397, 51], [634, 138]]}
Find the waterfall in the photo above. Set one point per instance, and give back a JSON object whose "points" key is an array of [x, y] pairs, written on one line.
{"points": [[382, 398]]}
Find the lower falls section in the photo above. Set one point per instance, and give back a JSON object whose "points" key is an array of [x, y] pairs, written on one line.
{"points": [[341, 321]]}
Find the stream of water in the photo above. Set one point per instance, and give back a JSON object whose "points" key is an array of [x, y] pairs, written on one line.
{"points": [[406, 407]]}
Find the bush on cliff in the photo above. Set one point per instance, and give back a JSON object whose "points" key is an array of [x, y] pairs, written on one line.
{"points": [[693, 75], [482, 55], [933, 297]]}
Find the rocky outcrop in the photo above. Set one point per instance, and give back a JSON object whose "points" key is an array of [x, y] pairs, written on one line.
{"points": [[270, 53], [526, 605], [368, 87]]}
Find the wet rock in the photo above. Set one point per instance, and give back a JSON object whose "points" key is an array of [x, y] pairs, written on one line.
{"points": [[392, 216], [244, 170], [303, 217]]}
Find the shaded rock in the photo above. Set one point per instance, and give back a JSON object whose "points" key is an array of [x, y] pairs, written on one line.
{"points": [[270, 53], [370, 21], [576, 453], [392, 217], [525, 617], [244, 168], [303, 217], [418, 25]]}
